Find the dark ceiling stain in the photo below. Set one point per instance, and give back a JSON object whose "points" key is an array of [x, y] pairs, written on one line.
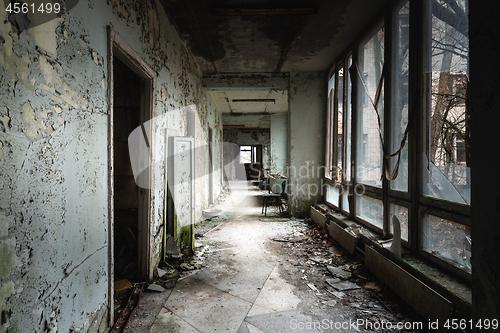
{"points": [[259, 40], [197, 27], [318, 33]]}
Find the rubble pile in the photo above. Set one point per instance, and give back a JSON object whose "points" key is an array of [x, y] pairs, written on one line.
{"points": [[338, 280]]}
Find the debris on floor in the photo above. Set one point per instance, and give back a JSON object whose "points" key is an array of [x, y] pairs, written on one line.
{"points": [[127, 312], [324, 280], [155, 287], [340, 272], [336, 279], [342, 285]]}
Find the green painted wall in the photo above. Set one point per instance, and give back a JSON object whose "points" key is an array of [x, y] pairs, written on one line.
{"points": [[306, 131]]}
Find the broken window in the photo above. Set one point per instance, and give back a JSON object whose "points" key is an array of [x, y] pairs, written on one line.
{"points": [[446, 158], [445, 177], [348, 122], [370, 111], [340, 121], [398, 139], [406, 124], [370, 210], [401, 212], [447, 240], [329, 155]]}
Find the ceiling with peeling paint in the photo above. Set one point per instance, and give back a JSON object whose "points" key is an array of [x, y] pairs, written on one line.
{"points": [[237, 37], [256, 36]]}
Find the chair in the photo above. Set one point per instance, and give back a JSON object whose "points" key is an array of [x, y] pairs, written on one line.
{"points": [[275, 198]]}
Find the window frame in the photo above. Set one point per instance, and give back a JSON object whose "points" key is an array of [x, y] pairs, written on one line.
{"points": [[413, 199]]}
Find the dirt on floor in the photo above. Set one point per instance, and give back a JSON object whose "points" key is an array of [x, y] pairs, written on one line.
{"points": [[332, 283]]}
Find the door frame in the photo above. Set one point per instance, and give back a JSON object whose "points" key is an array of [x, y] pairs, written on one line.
{"points": [[119, 48], [211, 189]]}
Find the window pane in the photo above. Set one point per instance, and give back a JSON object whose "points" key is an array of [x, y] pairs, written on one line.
{"points": [[340, 121], [347, 125], [330, 129], [399, 116], [401, 213], [371, 210], [447, 240], [370, 124], [345, 202], [245, 154], [332, 195], [447, 166]]}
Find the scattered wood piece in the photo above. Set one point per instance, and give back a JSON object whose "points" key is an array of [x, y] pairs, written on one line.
{"points": [[338, 294], [124, 317], [312, 286], [290, 240], [323, 297]]}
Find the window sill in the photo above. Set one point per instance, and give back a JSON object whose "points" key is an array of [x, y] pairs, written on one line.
{"points": [[457, 291]]}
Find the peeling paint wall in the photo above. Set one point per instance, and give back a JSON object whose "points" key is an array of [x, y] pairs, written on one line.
{"points": [[54, 222], [307, 136], [214, 120]]}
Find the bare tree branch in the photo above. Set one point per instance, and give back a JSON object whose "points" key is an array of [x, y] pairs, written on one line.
{"points": [[457, 20]]}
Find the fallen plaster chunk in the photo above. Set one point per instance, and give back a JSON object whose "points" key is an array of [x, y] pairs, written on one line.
{"points": [[172, 247], [342, 285], [161, 272], [339, 272], [322, 261], [155, 287], [330, 303]]}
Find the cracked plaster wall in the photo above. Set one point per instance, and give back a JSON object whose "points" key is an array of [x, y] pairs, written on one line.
{"points": [[306, 132], [54, 158], [279, 144]]}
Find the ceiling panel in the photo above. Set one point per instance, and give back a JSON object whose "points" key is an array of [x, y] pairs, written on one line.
{"points": [[251, 101]]}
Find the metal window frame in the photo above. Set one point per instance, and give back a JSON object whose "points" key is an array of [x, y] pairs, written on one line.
{"points": [[418, 108]]}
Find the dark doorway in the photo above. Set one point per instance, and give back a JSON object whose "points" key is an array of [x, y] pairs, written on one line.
{"points": [[126, 118]]}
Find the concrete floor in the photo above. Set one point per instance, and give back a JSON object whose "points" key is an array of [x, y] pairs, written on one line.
{"points": [[243, 288]]}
